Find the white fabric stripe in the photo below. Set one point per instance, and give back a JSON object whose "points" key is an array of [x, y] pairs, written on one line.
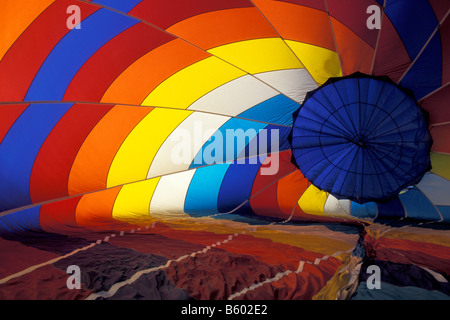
{"points": [[436, 188], [183, 144], [300, 266], [235, 96], [336, 207], [293, 83], [170, 194]]}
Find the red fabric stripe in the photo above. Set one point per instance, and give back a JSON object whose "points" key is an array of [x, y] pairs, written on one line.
{"points": [[45, 283], [339, 9], [285, 167], [17, 257], [264, 199], [440, 8], [266, 203], [50, 174], [441, 138], [8, 115], [97, 74], [167, 13], [391, 57], [445, 35], [23, 60], [437, 106], [433, 256], [59, 217], [296, 286], [265, 250]]}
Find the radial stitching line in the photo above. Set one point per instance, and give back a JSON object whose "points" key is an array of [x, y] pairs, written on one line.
{"points": [[137, 275], [154, 107], [32, 205], [438, 27], [280, 275], [378, 38], [284, 40], [113, 290], [188, 42], [37, 266], [334, 36]]}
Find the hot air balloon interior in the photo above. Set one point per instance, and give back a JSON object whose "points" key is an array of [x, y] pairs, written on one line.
{"points": [[225, 150]]}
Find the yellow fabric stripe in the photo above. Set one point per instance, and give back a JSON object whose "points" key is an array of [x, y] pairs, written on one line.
{"points": [[337, 287], [136, 154], [259, 55], [412, 233], [320, 62], [313, 201], [317, 238], [191, 83], [440, 164], [133, 201]]}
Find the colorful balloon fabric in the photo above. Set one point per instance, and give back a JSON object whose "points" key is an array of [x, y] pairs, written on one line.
{"points": [[214, 150]]}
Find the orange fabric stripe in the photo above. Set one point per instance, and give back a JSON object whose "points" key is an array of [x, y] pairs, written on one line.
{"points": [[218, 28], [299, 23], [138, 80], [90, 168], [290, 189], [94, 210], [355, 54], [15, 18]]}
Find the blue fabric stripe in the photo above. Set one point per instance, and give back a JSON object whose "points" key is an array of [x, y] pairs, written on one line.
{"points": [[120, 5], [391, 209], [366, 210], [278, 110], [445, 212], [418, 206], [73, 51], [203, 191], [21, 222], [425, 74], [222, 142], [391, 292], [266, 142], [237, 187], [19, 149], [414, 21]]}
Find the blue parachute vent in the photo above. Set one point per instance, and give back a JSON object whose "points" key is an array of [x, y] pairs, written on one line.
{"points": [[362, 138]]}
